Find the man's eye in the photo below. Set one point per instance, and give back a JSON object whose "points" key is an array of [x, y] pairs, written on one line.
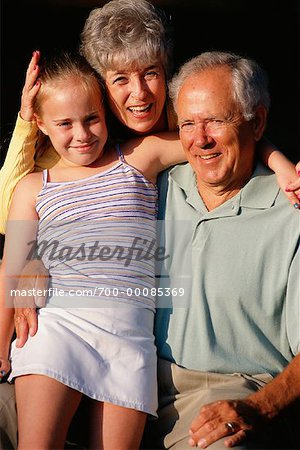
{"points": [[187, 126]]}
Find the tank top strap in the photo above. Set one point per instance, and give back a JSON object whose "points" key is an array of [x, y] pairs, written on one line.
{"points": [[120, 153], [45, 177]]}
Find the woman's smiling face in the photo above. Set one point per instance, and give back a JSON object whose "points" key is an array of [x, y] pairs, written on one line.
{"points": [[137, 97]]}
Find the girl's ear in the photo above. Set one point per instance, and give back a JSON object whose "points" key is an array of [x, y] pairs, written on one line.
{"points": [[259, 122], [40, 124]]}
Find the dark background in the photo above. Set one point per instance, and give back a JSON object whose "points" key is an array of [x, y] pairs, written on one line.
{"points": [[267, 31], [262, 29]]}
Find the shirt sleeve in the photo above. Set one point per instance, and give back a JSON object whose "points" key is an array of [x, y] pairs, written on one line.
{"points": [[293, 304], [19, 162]]}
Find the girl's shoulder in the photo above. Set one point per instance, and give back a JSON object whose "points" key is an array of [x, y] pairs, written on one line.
{"points": [[150, 142], [30, 184], [24, 197]]}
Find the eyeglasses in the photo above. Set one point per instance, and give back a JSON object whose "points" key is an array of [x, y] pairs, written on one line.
{"points": [[212, 125]]}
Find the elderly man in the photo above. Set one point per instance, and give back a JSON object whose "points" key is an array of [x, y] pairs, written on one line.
{"points": [[229, 364]]}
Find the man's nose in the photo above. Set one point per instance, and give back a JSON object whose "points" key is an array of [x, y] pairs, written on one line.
{"points": [[201, 137]]}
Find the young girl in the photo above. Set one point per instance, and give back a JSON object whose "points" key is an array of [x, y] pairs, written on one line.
{"points": [[96, 211]]}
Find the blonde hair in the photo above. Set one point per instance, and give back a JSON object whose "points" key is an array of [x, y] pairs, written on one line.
{"points": [[58, 69]]}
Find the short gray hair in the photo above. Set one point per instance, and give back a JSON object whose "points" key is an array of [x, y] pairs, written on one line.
{"points": [[249, 80], [127, 33]]}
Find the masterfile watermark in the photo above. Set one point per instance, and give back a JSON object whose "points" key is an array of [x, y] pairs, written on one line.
{"points": [[139, 250]]}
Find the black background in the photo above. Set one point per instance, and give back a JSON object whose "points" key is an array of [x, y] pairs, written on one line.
{"points": [[265, 30]]}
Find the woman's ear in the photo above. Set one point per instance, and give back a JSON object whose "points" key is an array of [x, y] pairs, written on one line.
{"points": [[40, 124], [259, 122]]}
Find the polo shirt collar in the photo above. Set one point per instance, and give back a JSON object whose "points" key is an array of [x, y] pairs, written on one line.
{"points": [[260, 192]]}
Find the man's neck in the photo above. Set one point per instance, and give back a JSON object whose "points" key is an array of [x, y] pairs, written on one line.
{"points": [[215, 195], [213, 198]]}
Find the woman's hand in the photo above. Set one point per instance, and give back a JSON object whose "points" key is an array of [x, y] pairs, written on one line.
{"points": [[293, 188], [233, 418], [34, 281], [30, 88]]}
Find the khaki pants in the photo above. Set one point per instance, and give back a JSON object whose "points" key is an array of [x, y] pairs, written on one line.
{"points": [[183, 392], [8, 417]]}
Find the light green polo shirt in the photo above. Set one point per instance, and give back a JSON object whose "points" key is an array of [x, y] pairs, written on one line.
{"points": [[239, 266]]}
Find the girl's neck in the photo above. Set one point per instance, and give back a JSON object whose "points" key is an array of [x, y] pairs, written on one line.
{"points": [[64, 171]]}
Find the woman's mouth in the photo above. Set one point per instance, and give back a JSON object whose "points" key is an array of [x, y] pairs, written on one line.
{"points": [[140, 111]]}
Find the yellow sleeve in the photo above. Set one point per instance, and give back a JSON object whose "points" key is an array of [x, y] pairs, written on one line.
{"points": [[19, 162]]}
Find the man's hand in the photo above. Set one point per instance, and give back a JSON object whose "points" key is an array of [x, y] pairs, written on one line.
{"points": [[33, 279], [233, 418], [4, 368]]}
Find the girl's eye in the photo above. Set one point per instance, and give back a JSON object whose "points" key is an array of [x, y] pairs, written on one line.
{"points": [[93, 119], [64, 124]]}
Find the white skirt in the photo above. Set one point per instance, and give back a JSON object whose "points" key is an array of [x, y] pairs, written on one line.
{"points": [[106, 353]]}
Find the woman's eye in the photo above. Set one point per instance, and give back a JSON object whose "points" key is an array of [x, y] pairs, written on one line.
{"points": [[151, 74], [120, 80], [64, 124]]}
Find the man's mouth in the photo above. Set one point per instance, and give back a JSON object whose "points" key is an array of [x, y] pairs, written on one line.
{"points": [[213, 155]]}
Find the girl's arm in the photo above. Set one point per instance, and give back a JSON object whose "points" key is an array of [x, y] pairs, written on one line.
{"points": [[20, 159], [21, 231], [153, 154], [286, 172], [6, 323]]}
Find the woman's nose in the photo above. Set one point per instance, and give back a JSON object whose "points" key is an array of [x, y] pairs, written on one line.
{"points": [[138, 89]]}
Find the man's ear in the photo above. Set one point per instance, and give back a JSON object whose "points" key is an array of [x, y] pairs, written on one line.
{"points": [[40, 124], [259, 122]]}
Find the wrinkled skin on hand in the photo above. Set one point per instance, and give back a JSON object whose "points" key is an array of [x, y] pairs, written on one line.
{"points": [[211, 423], [33, 278]]}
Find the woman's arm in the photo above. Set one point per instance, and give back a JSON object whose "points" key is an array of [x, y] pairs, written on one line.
{"points": [[20, 156], [286, 172]]}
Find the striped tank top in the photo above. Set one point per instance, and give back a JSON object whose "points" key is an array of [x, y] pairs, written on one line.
{"points": [[97, 235]]}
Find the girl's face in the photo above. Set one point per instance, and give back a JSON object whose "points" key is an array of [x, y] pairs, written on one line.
{"points": [[74, 119], [137, 97]]}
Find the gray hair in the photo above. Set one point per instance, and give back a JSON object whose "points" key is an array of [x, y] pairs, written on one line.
{"points": [[127, 33], [249, 80]]}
